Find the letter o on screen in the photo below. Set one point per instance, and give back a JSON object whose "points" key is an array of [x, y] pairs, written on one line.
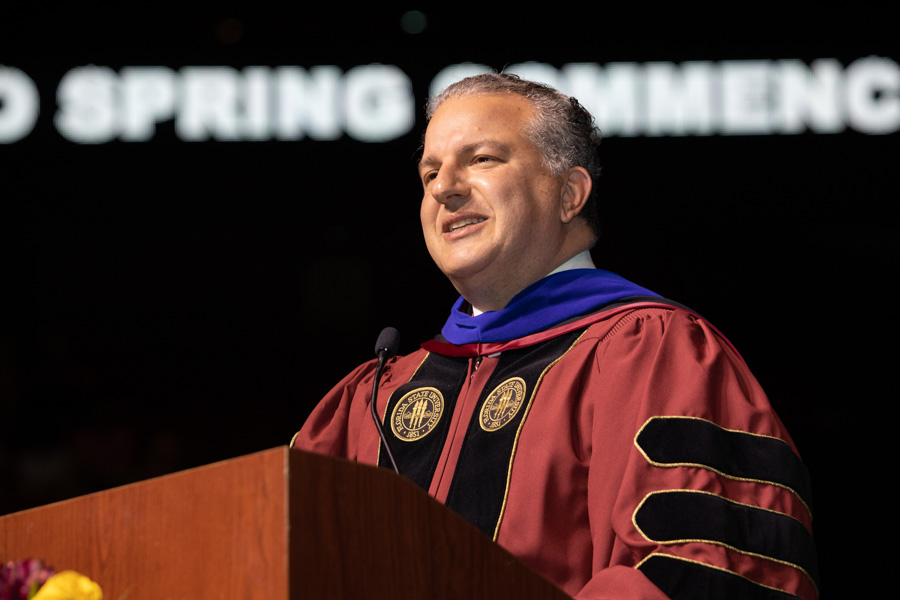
{"points": [[19, 105]]}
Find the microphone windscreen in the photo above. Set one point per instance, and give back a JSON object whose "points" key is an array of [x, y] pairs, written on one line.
{"points": [[388, 341]]}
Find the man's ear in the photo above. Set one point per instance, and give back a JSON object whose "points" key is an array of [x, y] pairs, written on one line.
{"points": [[575, 193]]}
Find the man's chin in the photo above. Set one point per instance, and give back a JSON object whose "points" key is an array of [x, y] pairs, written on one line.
{"points": [[467, 274]]}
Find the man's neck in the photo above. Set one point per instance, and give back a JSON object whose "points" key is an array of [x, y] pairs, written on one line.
{"points": [[582, 260]]}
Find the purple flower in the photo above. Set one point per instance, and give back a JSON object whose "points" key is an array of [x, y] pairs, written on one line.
{"points": [[18, 579]]}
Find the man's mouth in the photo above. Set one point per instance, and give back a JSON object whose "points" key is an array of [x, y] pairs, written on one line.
{"points": [[463, 223]]}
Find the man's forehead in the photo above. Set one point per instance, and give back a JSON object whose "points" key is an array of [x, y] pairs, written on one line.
{"points": [[483, 109], [469, 122]]}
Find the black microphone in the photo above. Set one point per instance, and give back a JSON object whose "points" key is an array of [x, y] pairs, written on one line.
{"points": [[387, 345], [388, 342]]}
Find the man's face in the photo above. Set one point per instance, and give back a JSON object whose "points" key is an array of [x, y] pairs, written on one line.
{"points": [[490, 213]]}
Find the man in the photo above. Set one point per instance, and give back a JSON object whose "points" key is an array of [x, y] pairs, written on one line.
{"points": [[612, 440]]}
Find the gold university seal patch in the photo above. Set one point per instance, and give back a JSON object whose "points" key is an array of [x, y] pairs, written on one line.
{"points": [[417, 414], [503, 404]]}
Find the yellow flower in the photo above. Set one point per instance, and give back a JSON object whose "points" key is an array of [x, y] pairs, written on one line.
{"points": [[69, 585]]}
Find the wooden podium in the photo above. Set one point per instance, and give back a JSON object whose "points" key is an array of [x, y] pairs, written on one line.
{"points": [[272, 525]]}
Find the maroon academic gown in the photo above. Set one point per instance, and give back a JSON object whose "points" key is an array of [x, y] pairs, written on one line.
{"points": [[639, 454]]}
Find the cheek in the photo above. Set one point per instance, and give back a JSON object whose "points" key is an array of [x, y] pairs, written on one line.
{"points": [[426, 211], [428, 214]]}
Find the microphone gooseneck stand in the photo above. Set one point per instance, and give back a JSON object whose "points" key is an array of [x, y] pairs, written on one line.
{"points": [[386, 347]]}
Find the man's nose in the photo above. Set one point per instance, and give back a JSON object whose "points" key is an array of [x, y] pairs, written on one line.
{"points": [[449, 185]]}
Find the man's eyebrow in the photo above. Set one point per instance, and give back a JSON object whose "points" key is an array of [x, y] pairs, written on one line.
{"points": [[428, 161]]}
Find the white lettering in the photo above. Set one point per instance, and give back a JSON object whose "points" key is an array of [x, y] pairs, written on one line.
{"points": [[746, 97], [610, 94], [379, 103], [19, 105], [308, 103], [678, 99], [873, 95], [255, 124], [148, 95], [809, 97], [375, 103], [209, 104], [87, 98], [454, 73], [535, 71]]}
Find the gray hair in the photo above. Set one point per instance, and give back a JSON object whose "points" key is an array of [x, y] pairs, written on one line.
{"points": [[562, 130]]}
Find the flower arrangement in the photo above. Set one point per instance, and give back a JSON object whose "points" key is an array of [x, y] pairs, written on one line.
{"points": [[30, 580]]}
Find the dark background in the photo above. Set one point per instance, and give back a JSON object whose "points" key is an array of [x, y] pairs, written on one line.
{"points": [[168, 304]]}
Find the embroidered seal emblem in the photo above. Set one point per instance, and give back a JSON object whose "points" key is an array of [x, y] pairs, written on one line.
{"points": [[417, 414], [502, 404]]}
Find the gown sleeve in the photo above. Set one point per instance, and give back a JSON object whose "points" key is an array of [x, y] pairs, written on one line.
{"points": [[335, 425], [695, 489]]}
